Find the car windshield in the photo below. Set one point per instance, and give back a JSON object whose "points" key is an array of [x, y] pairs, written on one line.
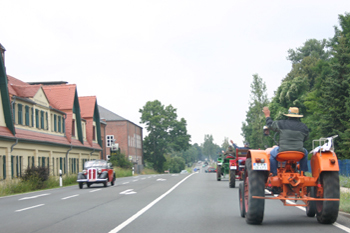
{"points": [[95, 164]]}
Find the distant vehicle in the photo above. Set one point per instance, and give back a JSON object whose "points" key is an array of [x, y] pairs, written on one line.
{"points": [[96, 171], [184, 172], [210, 170], [196, 169]]}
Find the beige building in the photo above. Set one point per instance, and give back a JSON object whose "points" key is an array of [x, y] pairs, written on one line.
{"points": [[41, 125]]}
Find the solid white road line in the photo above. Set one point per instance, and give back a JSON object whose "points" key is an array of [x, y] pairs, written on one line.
{"points": [[25, 198], [344, 228], [29, 208], [138, 214], [126, 183], [70, 197]]}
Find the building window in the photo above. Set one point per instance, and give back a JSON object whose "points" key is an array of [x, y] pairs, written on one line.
{"points": [[32, 117], [37, 118], [42, 119], [73, 128], [59, 123], [63, 125], [47, 120], [20, 116], [93, 133], [109, 140], [55, 123], [27, 115]]}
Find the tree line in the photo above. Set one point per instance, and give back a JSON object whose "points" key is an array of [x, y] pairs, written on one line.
{"points": [[318, 84], [167, 145]]}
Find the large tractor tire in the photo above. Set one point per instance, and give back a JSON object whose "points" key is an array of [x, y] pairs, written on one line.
{"points": [[327, 211], [218, 173], [232, 178], [311, 205], [254, 185], [241, 199]]}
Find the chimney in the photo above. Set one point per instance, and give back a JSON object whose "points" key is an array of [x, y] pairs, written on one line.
{"points": [[2, 51]]}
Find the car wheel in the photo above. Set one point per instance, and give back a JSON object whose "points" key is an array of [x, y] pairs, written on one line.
{"points": [[105, 184], [81, 185], [113, 179], [88, 184]]}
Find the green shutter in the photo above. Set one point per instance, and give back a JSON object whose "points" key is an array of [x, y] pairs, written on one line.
{"points": [[20, 115], [55, 122], [14, 112], [37, 118]]}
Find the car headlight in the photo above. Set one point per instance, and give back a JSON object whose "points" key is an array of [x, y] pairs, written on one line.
{"points": [[99, 171], [84, 172]]}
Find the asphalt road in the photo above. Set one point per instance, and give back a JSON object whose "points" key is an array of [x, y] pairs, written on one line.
{"points": [[151, 203]]}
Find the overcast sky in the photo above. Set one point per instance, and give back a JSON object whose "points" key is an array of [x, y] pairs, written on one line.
{"points": [[198, 56]]}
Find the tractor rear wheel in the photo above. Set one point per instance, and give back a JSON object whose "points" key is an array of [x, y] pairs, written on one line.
{"points": [[327, 211], [232, 181], [311, 205], [254, 185], [218, 173], [241, 199]]}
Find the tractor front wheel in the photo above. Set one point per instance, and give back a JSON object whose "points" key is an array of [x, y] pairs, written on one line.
{"points": [[254, 185], [232, 181], [241, 199], [327, 211], [218, 173]]}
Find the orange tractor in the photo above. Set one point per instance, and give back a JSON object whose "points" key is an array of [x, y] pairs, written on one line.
{"points": [[319, 194]]}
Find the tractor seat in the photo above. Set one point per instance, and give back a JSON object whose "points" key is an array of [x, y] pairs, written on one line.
{"points": [[230, 157], [290, 156]]}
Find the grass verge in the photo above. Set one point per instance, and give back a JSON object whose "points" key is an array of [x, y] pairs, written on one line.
{"points": [[16, 186]]}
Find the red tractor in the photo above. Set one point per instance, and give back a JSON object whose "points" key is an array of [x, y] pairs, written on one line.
{"points": [[319, 193]]}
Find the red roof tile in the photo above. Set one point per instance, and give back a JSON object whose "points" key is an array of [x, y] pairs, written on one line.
{"points": [[4, 131], [61, 96], [26, 91], [87, 106]]}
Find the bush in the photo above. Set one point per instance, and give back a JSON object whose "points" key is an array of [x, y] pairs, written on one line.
{"points": [[120, 160], [176, 164], [36, 176]]}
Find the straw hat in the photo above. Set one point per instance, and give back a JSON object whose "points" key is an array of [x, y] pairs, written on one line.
{"points": [[293, 112]]}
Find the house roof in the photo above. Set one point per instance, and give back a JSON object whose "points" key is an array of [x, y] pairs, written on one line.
{"points": [[25, 91], [61, 96], [11, 82], [108, 115], [87, 106]]}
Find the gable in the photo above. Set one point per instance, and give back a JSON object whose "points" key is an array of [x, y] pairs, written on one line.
{"points": [[40, 98]]}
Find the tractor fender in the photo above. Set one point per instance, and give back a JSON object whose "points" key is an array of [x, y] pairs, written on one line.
{"points": [[260, 160], [233, 164], [324, 161]]}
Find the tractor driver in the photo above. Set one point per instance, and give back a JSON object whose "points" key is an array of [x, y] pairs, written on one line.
{"points": [[230, 152], [293, 134]]}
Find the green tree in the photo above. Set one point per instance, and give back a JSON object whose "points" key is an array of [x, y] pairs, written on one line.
{"points": [[209, 147], [252, 128], [120, 160], [165, 133], [225, 144], [335, 93], [311, 48], [176, 164]]}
